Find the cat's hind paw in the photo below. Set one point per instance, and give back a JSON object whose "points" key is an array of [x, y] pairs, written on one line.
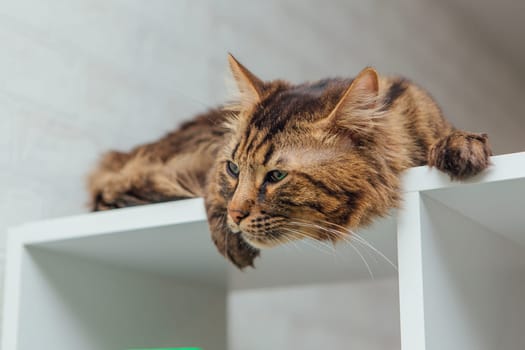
{"points": [[461, 154], [120, 181], [116, 192]]}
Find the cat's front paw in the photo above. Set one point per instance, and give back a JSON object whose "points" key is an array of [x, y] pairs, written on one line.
{"points": [[461, 154]]}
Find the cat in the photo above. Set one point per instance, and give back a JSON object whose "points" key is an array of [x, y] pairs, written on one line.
{"points": [[284, 161]]}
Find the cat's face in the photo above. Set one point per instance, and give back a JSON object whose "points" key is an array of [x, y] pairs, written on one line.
{"points": [[292, 169], [287, 186]]}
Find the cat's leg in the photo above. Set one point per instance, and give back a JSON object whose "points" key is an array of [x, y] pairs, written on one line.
{"points": [[124, 180], [461, 154], [233, 247]]}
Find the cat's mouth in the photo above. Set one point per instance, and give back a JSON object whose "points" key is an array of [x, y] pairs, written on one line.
{"points": [[258, 233], [298, 229], [254, 240], [259, 241], [235, 229]]}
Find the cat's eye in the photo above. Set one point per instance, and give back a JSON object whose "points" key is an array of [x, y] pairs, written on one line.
{"points": [[233, 169], [276, 175]]}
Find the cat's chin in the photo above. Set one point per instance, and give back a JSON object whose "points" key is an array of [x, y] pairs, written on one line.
{"points": [[258, 244]]}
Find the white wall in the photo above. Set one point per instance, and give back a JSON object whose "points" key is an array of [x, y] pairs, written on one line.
{"points": [[307, 39], [79, 77]]}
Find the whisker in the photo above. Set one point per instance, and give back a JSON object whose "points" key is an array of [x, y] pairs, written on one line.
{"points": [[369, 252], [330, 246], [288, 240], [309, 241], [332, 232], [341, 235], [377, 251], [364, 260], [358, 238], [306, 235]]}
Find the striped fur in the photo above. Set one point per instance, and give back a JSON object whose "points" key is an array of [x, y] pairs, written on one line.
{"points": [[342, 142]]}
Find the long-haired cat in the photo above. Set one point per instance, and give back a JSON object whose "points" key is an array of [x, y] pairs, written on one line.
{"points": [[288, 161]]}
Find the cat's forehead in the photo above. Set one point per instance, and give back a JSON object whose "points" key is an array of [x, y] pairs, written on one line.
{"points": [[282, 123], [282, 150], [280, 110], [304, 157], [298, 103]]}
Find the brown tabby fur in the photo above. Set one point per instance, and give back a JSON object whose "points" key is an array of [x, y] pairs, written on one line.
{"points": [[343, 144]]}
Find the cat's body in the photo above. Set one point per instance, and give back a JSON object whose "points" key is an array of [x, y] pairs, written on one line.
{"points": [[292, 161]]}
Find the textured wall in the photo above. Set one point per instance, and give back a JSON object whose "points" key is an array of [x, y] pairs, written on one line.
{"points": [[78, 77], [304, 39]]}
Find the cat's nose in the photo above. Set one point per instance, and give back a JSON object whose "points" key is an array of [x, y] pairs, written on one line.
{"points": [[237, 214]]}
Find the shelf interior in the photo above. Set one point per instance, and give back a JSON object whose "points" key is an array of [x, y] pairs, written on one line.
{"points": [[473, 280], [185, 252], [498, 206], [309, 262], [74, 303]]}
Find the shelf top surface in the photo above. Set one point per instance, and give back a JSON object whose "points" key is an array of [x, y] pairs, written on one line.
{"points": [[168, 237], [504, 167]]}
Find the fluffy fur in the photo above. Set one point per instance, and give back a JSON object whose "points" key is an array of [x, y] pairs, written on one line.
{"points": [[339, 147]]}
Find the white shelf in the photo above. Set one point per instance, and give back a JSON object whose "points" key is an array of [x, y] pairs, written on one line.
{"points": [[59, 271]]}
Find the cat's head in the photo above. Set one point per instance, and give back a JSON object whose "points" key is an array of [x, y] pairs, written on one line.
{"points": [[303, 160]]}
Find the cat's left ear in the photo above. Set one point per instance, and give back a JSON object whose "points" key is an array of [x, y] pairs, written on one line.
{"points": [[357, 108], [250, 87]]}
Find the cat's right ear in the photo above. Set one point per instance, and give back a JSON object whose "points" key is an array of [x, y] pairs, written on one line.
{"points": [[249, 87], [358, 108]]}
